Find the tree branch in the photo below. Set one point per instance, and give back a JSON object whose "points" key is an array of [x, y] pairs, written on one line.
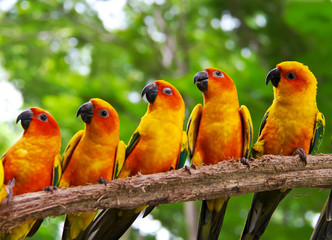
{"points": [[225, 179]]}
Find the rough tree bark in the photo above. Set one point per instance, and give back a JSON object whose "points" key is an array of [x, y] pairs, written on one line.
{"points": [[225, 179]]}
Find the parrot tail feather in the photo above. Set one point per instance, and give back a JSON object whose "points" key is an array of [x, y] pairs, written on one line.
{"points": [[260, 213], [210, 222], [323, 228], [111, 224]]}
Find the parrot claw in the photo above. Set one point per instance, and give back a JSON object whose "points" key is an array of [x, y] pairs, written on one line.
{"points": [[245, 161], [193, 166], [9, 190], [187, 169], [101, 180], [171, 168], [302, 155], [50, 189]]}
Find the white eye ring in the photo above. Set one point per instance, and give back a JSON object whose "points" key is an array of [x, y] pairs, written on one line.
{"points": [[218, 73], [42, 117], [167, 91], [103, 113], [291, 76]]}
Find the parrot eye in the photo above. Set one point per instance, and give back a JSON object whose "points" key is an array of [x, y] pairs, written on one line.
{"points": [[42, 117], [291, 76], [103, 113], [218, 73], [167, 91]]}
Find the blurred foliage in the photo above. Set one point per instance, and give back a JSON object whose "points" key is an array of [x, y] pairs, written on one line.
{"points": [[59, 54]]}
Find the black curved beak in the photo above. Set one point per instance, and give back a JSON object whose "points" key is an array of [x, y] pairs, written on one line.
{"points": [[273, 76], [25, 118], [86, 112], [151, 92], [201, 80]]}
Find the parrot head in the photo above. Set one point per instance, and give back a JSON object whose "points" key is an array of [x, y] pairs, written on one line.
{"points": [[213, 82], [291, 77], [161, 94], [99, 115], [37, 121]]}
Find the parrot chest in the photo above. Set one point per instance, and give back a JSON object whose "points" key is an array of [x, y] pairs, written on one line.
{"points": [[89, 162], [157, 149], [30, 165], [287, 130], [220, 135]]}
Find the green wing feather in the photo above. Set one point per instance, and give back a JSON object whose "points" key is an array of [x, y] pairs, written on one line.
{"points": [[257, 149], [132, 142], [184, 151], [192, 128], [318, 133], [263, 121], [120, 158], [247, 129], [57, 171], [70, 148], [124, 151]]}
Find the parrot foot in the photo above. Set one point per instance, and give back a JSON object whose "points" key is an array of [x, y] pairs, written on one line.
{"points": [[9, 190], [193, 166], [245, 161], [187, 169], [171, 169], [302, 155], [50, 189], [101, 180]]}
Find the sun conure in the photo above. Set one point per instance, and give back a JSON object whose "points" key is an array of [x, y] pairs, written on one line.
{"points": [[156, 146], [34, 161], [90, 156], [220, 130], [291, 125]]}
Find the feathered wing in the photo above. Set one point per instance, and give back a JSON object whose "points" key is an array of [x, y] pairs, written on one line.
{"points": [[193, 127], [70, 149], [319, 130], [3, 193], [247, 130], [120, 158], [183, 152]]}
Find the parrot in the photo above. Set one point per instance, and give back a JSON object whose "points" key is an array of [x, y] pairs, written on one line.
{"points": [[34, 161], [220, 130], [291, 125], [157, 145], [91, 156]]}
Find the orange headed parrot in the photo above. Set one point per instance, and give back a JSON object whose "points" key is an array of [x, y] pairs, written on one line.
{"points": [[156, 146], [90, 156], [219, 131], [292, 125], [34, 161]]}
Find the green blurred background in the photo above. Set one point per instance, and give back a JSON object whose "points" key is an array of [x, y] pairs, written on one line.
{"points": [[58, 54]]}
